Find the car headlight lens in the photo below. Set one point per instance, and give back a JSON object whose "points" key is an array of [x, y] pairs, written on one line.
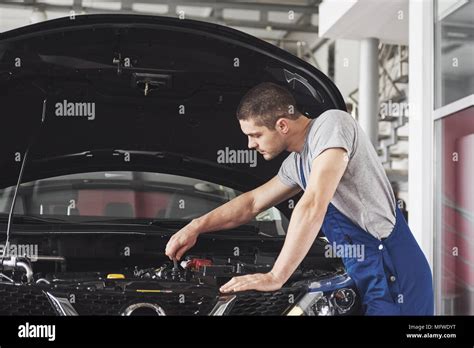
{"points": [[313, 303], [343, 299], [318, 303], [323, 307]]}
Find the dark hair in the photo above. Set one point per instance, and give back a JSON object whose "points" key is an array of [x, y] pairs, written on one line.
{"points": [[266, 103]]}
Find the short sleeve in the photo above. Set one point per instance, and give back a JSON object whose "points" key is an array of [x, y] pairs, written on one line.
{"points": [[337, 130], [287, 171]]}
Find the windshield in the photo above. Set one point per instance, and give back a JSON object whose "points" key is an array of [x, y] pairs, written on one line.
{"points": [[127, 195]]}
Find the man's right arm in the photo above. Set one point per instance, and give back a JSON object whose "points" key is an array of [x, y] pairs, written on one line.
{"points": [[236, 212]]}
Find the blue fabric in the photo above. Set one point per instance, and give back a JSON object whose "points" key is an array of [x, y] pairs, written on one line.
{"points": [[393, 277]]}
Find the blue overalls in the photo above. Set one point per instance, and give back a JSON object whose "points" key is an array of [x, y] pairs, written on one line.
{"points": [[394, 277]]}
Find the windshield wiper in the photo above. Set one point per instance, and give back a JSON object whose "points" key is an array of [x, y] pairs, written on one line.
{"points": [[162, 223], [169, 223], [33, 218], [165, 223], [244, 229], [181, 223]]}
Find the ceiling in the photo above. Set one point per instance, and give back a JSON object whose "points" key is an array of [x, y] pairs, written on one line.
{"points": [[360, 19], [261, 18]]}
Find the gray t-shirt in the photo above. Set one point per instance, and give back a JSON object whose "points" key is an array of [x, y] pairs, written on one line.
{"points": [[364, 193]]}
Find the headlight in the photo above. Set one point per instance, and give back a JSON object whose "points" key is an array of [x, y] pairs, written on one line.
{"points": [[318, 303], [323, 307], [313, 303], [343, 299]]}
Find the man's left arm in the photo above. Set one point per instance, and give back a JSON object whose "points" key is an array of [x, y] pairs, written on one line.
{"points": [[326, 172]]}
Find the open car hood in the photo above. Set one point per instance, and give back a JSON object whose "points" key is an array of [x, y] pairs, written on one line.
{"points": [[164, 91]]}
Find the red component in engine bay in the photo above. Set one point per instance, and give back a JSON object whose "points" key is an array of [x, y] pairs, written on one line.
{"points": [[195, 264]]}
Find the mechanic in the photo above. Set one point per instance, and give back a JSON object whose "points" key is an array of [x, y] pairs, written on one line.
{"points": [[346, 194]]}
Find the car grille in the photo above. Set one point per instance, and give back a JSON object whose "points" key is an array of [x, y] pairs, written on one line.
{"points": [[24, 300], [30, 300], [266, 303], [114, 303]]}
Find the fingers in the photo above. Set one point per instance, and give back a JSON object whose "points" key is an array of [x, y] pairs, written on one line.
{"points": [[227, 287], [171, 248], [238, 284], [181, 251], [242, 286], [176, 247]]}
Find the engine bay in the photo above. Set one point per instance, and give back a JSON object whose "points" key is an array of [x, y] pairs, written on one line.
{"points": [[192, 270], [75, 277]]}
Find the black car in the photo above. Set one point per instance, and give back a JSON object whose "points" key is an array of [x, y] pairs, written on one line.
{"points": [[111, 130]]}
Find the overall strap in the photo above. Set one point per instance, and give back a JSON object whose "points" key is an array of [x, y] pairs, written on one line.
{"points": [[303, 180]]}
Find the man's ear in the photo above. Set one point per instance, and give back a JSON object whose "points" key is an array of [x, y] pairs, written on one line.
{"points": [[282, 125]]}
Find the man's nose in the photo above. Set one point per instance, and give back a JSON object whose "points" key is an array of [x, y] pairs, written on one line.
{"points": [[251, 144]]}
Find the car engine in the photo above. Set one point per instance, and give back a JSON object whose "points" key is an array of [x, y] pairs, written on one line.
{"points": [[189, 287]]}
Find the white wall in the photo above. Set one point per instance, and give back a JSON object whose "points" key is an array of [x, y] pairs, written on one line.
{"points": [[346, 68], [11, 18], [321, 56]]}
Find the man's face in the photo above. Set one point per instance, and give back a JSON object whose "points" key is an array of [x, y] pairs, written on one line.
{"points": [[270, 143]]}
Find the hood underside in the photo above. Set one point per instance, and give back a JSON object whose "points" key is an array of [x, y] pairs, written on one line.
{"points": [[157, 85]]}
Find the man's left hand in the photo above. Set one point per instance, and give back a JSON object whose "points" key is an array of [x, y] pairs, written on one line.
{"points": [[257, 281]]}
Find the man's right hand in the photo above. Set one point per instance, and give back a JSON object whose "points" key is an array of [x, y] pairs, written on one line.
{"points": [[181, 241], [236, 212]]}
